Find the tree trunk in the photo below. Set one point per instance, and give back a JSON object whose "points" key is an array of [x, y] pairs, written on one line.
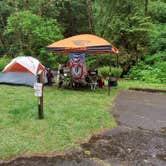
{"points": [[26, 5], [89, 10], [146, 7]]}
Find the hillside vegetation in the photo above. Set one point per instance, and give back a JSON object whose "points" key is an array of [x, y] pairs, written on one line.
{"points": [[137, 28]]}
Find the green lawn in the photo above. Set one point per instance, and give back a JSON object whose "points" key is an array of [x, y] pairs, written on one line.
{"points": [[71, 117]]}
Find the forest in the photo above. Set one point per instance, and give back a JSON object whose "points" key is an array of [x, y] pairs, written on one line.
{"points": [[137, 28]]}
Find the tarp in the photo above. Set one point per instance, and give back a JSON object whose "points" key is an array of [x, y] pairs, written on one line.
{"points": [[86, 43]]}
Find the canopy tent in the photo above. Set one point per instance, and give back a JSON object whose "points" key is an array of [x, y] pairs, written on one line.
{"points": [[22, 71], [86, 43]]}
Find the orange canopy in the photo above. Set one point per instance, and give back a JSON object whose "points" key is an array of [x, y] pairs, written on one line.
{"points": [[87, 43]]}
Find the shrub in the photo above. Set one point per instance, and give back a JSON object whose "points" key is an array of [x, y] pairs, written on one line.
{"points": [[3, 62], [116, 71], [161, 75], [158, 57], [104, 71], [151, 74]]}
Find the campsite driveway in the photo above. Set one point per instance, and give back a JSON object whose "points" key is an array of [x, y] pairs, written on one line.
{"points": [[141, 110], [139, 139]]}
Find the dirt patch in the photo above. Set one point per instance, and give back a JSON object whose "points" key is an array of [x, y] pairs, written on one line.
{"points": [[131, 148], [69, 159]]}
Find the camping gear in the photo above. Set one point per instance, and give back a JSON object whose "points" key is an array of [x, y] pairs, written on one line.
{"points": [[77, 47], [22, 71], [24, 64], [112, 81], [77, 66], [86, 43]]}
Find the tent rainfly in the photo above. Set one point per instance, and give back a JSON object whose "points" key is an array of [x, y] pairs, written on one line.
{"points": [[21, 71]]}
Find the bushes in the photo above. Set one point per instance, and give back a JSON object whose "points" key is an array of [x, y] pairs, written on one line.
{"points": [[115, 71], [104, 71], [3, 62], [153, 70], [161, 74], [158, 57]]}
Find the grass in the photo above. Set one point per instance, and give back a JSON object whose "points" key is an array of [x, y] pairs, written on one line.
{"points": [[125, 84], [71, 117]]}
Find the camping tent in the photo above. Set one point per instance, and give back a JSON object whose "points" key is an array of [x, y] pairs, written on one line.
{"points": [[21, 71]]}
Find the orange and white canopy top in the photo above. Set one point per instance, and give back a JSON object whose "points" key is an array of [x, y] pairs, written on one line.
{"points": [[82, 43], [24, 64]]}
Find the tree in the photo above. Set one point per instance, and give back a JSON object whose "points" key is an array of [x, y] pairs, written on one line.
{"points": [[123, 22], [28, 33], [90, 15], [157, 11], [5, 11], [73, 16], [146, 7]]}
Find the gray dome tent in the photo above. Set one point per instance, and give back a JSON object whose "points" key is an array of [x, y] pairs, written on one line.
{"points": [[22, 71]]}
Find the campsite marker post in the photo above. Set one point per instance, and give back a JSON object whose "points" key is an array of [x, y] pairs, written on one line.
{"points": [[109, 77], [40, 106], [39, 93]]}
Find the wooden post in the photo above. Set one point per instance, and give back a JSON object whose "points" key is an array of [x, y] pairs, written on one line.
{"points": [[40, 99], [117, 60], [109, 77], [110, 63], [108, 88]]}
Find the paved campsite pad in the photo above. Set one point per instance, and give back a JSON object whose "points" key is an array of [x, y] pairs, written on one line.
{"points": [[139, 140], [141, 110]]}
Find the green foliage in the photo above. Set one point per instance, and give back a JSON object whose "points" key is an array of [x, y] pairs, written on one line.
{"points": [[116, 71], [137, 28], [51, 60], [104, 71], [95, 61], [123, 22], [5, 11], [161, 75], [158, 57], [157, 11], [74, 17], [29, 32], [158, 38], [3, 62], [152, 70]]}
